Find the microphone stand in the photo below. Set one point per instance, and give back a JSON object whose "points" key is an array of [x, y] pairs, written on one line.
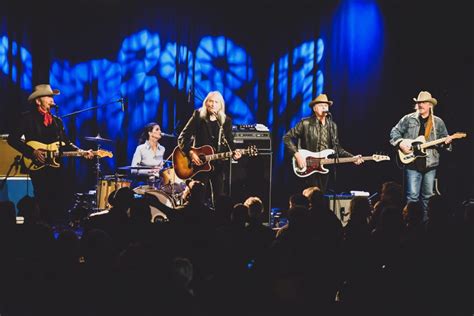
{"points": [[58, 131], [332, 136], [121, 101], [222, 139], [97, 165]]}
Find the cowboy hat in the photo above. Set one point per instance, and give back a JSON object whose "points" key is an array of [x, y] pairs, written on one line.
{"points": [[42, 90], [425, 96], [322, 98]]}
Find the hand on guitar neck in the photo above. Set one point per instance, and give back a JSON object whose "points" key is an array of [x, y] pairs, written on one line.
{"points": [[196, 160]]}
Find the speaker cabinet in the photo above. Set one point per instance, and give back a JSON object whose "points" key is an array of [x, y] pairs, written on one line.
{"points": [[252, 176], [8, 157], [341, 210]]}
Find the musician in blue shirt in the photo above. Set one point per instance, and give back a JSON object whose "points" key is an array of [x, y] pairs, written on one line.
{"points": [[149, 154]]}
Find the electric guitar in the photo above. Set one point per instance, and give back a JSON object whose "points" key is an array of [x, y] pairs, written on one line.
{"points": [[185, 168], [418, 146], [51, 152], [315, 161]]}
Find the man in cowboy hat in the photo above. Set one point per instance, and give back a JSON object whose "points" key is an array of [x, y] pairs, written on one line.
{"points": [[315, 133], [420, 173], [41, 126]]}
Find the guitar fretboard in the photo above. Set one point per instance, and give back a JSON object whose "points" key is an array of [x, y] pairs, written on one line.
{"points": [[223, 155], [327, 161], [72, 153], [432, 143]]}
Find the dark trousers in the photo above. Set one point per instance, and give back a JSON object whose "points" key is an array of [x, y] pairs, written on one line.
{"points": [[214, 181], [52, 193]]}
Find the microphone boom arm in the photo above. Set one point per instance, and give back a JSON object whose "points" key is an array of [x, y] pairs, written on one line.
{"points": [[121, 101]]}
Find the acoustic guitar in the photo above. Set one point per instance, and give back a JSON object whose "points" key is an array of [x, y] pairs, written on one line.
{"points": [[185, 168]]}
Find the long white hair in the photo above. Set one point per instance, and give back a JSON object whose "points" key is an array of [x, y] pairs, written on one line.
{"points": [[220, 112]]}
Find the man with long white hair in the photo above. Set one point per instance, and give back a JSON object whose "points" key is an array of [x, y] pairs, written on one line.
{"points": [[209, 125]]}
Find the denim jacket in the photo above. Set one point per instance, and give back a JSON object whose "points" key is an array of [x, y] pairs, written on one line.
{"points": [[409, 127]]}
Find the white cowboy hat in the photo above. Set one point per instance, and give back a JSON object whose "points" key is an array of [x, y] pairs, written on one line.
{"points": [[425, 96], [322, 98], [42, 90]]}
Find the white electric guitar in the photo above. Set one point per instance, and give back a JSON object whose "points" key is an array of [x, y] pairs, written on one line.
{"points": [[315, 161], [418, 146]]}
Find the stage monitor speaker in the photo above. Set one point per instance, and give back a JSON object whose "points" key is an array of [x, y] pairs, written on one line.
{"points": [[343, 203], [15, 188], [252, 176]]}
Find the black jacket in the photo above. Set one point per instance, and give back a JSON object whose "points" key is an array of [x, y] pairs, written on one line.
{"points": [[306, 135], [198, 132], [32, 127]]}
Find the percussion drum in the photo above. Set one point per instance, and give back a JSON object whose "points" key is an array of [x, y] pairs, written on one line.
{"points": [[169, 176], [106, 186], [163, 197], [171, 184], [143, 189]]}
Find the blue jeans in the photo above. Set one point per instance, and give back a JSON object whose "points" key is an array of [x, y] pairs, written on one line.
{"points": [[420, 183]]}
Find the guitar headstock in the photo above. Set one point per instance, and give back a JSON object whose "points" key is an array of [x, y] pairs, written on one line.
{"points": [[458, 135], [378, 158], [252, 150], [104, 153]]}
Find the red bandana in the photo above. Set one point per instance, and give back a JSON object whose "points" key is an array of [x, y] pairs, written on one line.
{"points": [[48, 118]]}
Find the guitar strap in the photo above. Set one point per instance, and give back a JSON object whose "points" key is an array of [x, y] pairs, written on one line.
{"points": [[429, 126]]}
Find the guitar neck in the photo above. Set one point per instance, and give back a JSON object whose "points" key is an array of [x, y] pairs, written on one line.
{"points": [[328, 161], [73, 153], [217, 156], [433, 142]]}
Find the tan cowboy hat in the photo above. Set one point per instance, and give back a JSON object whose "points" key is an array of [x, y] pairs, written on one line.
{"points": [[425, 96], [42, 90], [322, 98]]}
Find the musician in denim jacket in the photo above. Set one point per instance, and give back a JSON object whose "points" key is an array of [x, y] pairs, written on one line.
{"points": [[315, 133], [421, 172]]}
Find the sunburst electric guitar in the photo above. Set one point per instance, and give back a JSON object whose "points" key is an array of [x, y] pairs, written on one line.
{"points": [[52, 153], [315, 161], [185, 168], [418, 146]]}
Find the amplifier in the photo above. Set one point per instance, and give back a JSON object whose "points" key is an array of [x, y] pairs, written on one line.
{"points": [[261, 139], [8, 158]]}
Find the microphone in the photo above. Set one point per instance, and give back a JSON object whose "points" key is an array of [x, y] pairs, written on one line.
{"points": [[167, 135], [189, 96], [54, 105], [327, 113], [122, 104]]}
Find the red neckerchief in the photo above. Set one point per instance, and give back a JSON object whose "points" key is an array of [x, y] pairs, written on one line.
{"points": [[48, 118]]}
